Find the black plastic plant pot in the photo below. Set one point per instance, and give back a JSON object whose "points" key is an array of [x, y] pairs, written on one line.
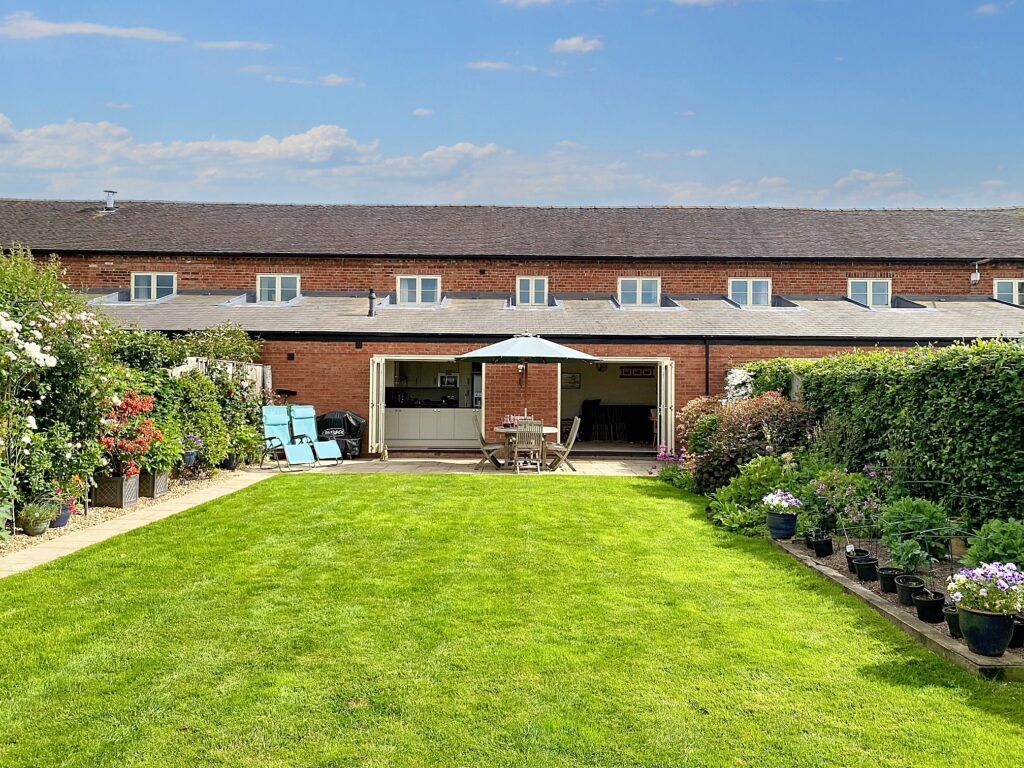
{"points": [[987, 634], [952, 616], [866, 567], [781, 526], [810, 536], [1017, 639], [851, 556], [929, 606], [906, 587], [887, 578], [823, 547]]}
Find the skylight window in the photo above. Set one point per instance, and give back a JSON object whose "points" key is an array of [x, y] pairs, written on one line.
{"points": [[639, 291], [871, 293], [751, 291], [150, 286]]}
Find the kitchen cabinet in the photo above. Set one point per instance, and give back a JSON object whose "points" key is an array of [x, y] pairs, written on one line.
{"points": [[431, 427]]}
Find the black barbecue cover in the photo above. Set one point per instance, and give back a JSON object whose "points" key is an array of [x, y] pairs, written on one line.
{"points": [[344, 427]]}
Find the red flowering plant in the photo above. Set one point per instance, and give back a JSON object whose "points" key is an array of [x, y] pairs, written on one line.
{"points": [[128, 432], [69, 494]]}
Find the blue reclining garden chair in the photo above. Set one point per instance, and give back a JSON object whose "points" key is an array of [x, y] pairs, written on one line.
{"points": [[277, 439], [304, 430]]}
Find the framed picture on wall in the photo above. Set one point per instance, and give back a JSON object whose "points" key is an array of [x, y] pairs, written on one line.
{"points": [[636, 372], [570, 381]]}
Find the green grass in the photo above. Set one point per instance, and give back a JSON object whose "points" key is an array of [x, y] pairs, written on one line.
{"points": [[468, 621]]}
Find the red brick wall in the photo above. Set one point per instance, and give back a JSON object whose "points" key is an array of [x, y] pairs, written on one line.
{"points": [[359, 274], [508, 392]]}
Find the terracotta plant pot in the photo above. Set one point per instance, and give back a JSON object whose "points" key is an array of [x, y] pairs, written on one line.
{"points": [[153, 485], [120, 492], [987, 634]]}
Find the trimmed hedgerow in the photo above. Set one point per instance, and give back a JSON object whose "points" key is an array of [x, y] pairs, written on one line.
{"points": [[775, 374], [951, 419]]}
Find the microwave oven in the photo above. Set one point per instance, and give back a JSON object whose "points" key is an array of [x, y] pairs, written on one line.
{"points": [[448, 380]]}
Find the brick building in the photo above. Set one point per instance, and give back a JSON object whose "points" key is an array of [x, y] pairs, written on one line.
{"points": [[365, 307]]}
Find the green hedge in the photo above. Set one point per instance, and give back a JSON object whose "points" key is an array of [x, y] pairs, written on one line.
{"points": [[950, 419], [776, 374]]}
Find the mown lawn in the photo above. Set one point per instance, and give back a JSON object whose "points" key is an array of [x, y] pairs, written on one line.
{"points": [[468, 621]]}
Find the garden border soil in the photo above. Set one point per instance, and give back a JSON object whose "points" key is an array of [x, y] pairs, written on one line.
{"points": [[933, 637]]}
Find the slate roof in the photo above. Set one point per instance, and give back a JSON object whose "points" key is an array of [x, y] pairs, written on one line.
{"points": [[488, 231], [833, 318]]}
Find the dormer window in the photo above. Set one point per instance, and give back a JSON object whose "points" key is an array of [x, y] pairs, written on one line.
{"points": [[871, 293], [150, 286], [276, 289], [532, 292], [419, 289], [751, 291], [639, 291], [1010, 291]]}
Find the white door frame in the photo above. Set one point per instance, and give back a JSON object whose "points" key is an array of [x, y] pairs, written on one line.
{"points": [[666, 393], [375, 442]]}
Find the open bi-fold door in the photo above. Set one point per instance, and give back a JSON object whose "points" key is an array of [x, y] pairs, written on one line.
{"points": [[375, 425], [667, 404]]}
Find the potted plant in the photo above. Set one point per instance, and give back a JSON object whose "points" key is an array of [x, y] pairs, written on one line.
{"points": [[952, 616], [128, 434], [781, 508], [866, 567], [929, 605], [67, 496], [909, 557], [987, 598], [852, 553], [155, 464], [822, 546], [191, 446], [244, 444], [34, 518]]}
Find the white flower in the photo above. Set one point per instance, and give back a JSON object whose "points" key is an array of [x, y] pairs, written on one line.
{"points": [[31, 421], [26, 439], [67, 455]]}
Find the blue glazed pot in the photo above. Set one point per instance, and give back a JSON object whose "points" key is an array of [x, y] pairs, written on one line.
{"points": [[189, 458], [62, 518], [986, 633], [781, 526]]}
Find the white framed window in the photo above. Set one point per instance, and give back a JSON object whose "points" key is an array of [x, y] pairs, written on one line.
{"points": [[150, 286], [640, 291], [276, 289], [531, 291], [751, 291], [871, 292], [1011, 291], [419, 289]]}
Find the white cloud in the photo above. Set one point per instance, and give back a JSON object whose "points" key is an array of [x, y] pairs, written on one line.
{"points": [[774, 181], [524, 3], [688, 113], [326, 80], [422, 112], [697, 152], [500, 66], [987, 9], [872, 180], [233, 45], [572, 146], [576, 44], [993, 183], [25, 26], [117, 105], [333, 79]]}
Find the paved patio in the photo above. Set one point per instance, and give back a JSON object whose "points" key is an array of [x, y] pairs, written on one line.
{"points": [[603, 467]]}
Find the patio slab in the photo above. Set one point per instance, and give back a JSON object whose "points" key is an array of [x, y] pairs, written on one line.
{"points": [[418, 466]]}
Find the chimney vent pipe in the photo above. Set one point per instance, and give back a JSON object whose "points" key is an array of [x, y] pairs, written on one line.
{"points": [[110, 205]]}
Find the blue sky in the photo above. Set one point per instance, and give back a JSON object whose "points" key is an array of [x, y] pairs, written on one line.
{"points": [[826, 103]]}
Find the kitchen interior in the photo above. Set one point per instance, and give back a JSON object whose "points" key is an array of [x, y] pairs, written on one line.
{"points": [[432, 403]]}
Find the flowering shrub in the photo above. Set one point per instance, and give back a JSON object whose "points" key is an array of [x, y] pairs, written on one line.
{"points": [[991, 587], [671, 469], [781, 502], [128, 433], [745, 429]]}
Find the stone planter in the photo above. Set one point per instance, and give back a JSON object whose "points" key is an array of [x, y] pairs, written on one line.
{"points": [[120, 492], [153, 485]]}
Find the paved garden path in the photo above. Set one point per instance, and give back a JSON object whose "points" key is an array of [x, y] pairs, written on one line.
{"points": [[30, 557]]}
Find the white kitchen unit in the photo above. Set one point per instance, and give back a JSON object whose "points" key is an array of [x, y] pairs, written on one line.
{"points": [[431, 427]]}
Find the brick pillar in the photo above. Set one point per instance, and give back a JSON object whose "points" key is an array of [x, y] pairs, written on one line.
{"points": [[506, 392]]}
